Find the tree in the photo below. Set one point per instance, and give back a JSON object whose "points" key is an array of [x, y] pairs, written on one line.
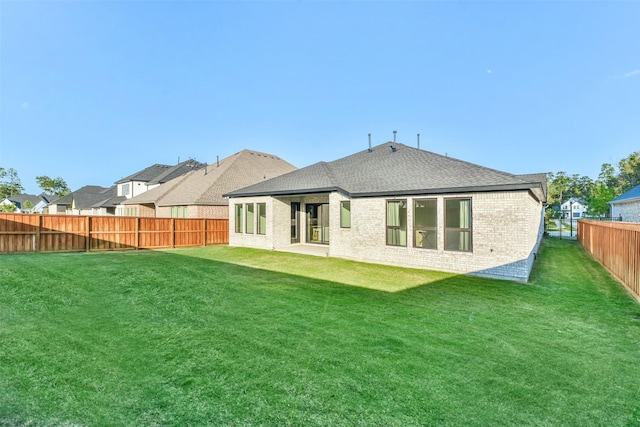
{"points": [[56, 186], [580, 187], [599, 198], [10, 207], [608, 176], [629, 175], [27, 206], [558, 187], [10, 183]]}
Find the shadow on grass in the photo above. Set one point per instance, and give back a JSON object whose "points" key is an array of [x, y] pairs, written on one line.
{"points": [[336, 270]]}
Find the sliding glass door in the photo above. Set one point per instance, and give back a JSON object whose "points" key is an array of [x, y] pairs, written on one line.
{"points": [[318, 223]]}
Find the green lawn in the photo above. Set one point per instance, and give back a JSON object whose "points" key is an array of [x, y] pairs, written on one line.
{"points": [[230, 336]]}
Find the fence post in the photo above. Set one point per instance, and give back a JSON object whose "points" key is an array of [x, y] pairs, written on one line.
{"points": [[136, 242], [173, 232], [38, 228], [204, 232], [87, 238]]}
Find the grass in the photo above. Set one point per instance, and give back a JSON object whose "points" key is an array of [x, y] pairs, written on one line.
{"points": [[231, 336]]}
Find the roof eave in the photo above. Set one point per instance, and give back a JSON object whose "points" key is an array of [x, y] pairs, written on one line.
{"points": [[628, 200], [286, 192], [447, 190], [450, 190]]}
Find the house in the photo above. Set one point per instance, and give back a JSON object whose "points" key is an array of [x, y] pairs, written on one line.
{"points": [[198, 194], [398, 205], [153, 176], [88, 200], [627, 206], [573, 209], [96, 200], [28, 203]]}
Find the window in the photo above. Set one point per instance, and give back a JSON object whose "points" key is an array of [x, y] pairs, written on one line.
{"points": [[250, 218], [425, 220], [125, 189], [457, 230], [345, 214], [397, 222], [262, 218], [178, 211], [238, 218]]}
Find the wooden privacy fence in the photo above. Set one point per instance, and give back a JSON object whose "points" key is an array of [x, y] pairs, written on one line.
{"points": [[616, 245], [21, 233]]}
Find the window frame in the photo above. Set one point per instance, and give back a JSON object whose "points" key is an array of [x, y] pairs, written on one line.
{"points": [[262, 230], [417, 228], [250, 223], [459, 229], [342, 218], [396, 227], [239, 218]]}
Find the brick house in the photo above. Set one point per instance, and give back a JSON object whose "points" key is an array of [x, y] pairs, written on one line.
{"points": [[627, 205], [398, 205], [198, 194]]}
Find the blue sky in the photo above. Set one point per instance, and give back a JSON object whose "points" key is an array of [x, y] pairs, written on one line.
{"points": [[93, 91]]}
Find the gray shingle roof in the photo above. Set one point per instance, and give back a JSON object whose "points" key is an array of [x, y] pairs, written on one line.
{"points": [[159, 174], [207, 185], [176, 171], [384, 171], [88, 196], [19, 199], [146, 174], [633, 194]]}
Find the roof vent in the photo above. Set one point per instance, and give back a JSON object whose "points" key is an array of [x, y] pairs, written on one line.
{"points": [[394, 135], [369, 142], [418, 141]]}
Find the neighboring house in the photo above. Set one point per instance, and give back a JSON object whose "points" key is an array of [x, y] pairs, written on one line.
{"points": [[573, 209], [153, 176], [198, 194], [88, 200], [394, 204], [96, 200], [28, 203], [4, 203], [626, 207]]}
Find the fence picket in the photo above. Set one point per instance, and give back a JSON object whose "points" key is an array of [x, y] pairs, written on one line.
{"points": [[22, 233], [615, 245]]}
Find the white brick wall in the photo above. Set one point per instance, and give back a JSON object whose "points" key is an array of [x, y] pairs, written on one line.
{"points": [[630, 212], [507, 228]]}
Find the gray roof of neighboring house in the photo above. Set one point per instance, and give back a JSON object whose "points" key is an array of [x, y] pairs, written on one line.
{"points": [[19, 199], [49, 198], [146, 174], [631, 195], [207, 185], [88, 196], [392, 169], [111, 202], [158, 174], [176, 171]]}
